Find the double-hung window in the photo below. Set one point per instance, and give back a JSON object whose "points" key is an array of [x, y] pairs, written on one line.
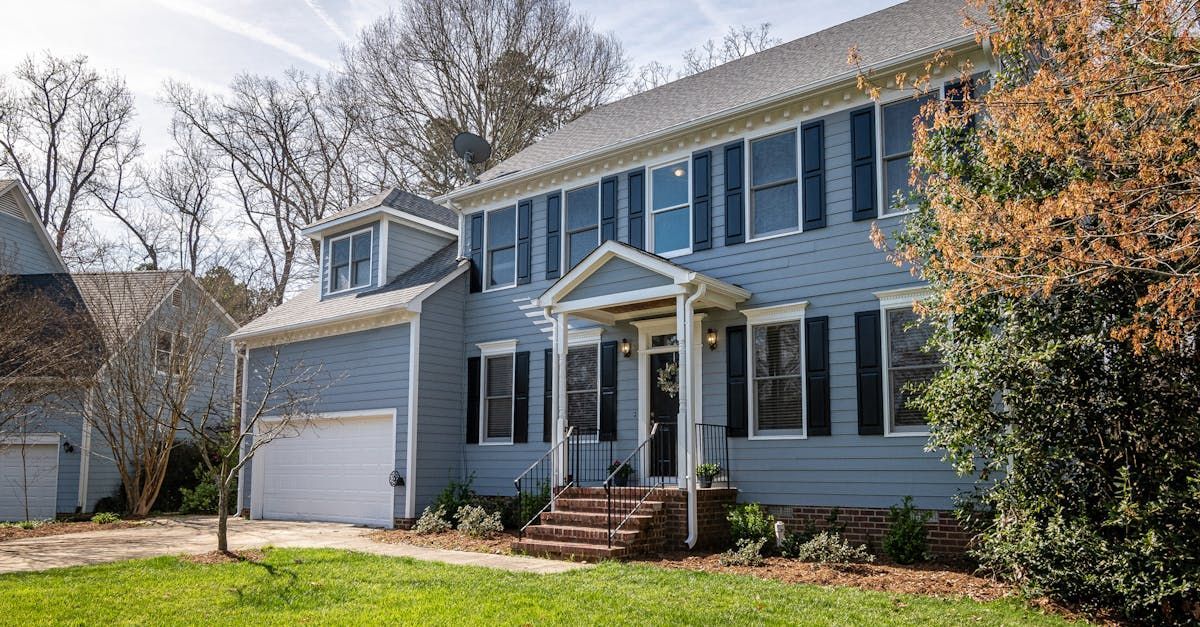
{"points": [[777, 370], [671, 209], [910, 367], [899, 118], [502, 247], [170, 352], [350, 261], [582, 223], [583, 388], [498, 383], [774, 194]]}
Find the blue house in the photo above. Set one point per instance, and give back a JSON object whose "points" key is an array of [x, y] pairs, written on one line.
{"points": [[678, 278]]}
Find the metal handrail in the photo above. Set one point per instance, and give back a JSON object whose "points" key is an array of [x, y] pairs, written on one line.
{"points": [[553, 493], [612, 530]]}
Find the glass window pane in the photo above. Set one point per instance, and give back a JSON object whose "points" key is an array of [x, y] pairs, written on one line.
{"points": [[341, 277], [341, 252], [583, 207], [362, 246], [775, 210], [898, 119], [502, 228], [906, 385], [499, 418], [906, 342], [670, 186], [778, 404], [502, 267], [672, 230], [499, 375], [581, 368], [895, 180], [773, 159], [777, 350], [362, 273], [583, 411], [580, 244], [664, 340]]}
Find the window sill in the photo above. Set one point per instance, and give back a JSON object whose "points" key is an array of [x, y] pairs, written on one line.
{"points": [[906, 434], [488, 290], [764, 238], [350, 289], [508, 443], [898, 214], [674, 253], [798, 436]]}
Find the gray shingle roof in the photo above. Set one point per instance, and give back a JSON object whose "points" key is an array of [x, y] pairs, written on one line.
{"points": [[307, 309], [400, 200], [121, 301], [892, 32]]}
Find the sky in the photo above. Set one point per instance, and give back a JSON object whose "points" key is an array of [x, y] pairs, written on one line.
{"points": [[208, 42]]}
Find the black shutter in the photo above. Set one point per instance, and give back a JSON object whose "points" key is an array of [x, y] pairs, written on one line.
{"points": [[608, 391], [736, 381], [608, 209], [868, 351], [477, 252], [816, 342], [521, 398], [702, 200], [524, 243], [735, 201], [472, 400], [548, 395], [862, 162], [813, 173], [637, 208], [553, 234]]}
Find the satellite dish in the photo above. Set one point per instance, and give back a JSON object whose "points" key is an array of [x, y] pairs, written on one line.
{"points": [[473, 150]]}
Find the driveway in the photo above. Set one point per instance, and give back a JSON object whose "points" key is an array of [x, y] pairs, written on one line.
{"points": [[197, 534]]}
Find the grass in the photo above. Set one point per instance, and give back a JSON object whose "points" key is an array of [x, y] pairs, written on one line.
{"points": [[310, 586]]}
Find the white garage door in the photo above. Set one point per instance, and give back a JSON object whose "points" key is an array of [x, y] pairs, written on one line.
{"points": [[333, 470], [29, 478]]}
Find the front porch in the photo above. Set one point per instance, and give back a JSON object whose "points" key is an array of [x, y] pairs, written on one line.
{"points": [[622, 500]]}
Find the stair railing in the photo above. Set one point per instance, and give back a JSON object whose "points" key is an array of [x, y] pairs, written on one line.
{"points": [[536, 491], [624, 499]]}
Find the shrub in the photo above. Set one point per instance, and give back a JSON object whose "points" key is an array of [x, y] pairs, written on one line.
{"points": [[748, 521], [747, 553], [432, 520], [455, 496], [905, 541], [105, 518], [708, 471], [831, 548], [201, 500], [476, 522]]}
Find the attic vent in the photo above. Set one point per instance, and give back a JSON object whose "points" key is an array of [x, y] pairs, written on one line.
{"points": [[8, 205], [177, 297]]}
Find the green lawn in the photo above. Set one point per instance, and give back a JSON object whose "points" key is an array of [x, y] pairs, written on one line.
{"points": [[305, 587]]}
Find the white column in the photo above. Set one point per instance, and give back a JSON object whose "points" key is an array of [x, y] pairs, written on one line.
{"points": [[559, 394], [683, 323]]}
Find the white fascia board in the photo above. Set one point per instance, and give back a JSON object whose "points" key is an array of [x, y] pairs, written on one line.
{"points": [[315, 231], [905, 296], [786, 312], [498, 347]]}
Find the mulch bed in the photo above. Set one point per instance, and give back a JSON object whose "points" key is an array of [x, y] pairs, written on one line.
{"points": [[500, 544], [8, 533], [220, 557], [937, 580]]}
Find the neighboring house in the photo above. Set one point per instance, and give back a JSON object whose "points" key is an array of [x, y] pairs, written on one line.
{"points": [[50, 462], [716, 227]]}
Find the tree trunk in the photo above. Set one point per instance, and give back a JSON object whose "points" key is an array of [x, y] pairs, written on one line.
{"points": [[222, 516]]}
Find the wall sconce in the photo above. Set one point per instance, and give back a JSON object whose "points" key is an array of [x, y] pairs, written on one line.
{"points": [[711, 338], [626, 348]]}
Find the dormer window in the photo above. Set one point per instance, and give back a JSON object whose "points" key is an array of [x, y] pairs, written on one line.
{"points": [[350, 261]]}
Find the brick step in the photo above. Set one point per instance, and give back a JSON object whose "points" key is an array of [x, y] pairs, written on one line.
{"points": [[583, 535], [600, 493], [595, 520], [572, 550], [601, 505]]}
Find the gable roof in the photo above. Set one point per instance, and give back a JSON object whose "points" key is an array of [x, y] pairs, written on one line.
{"points": [[396, 199], [403, 293], [796, 66], [22, 204], [120, 302]]}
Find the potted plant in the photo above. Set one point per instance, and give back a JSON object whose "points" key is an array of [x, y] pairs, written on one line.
{"points": [[705, 473], [620, 473]]}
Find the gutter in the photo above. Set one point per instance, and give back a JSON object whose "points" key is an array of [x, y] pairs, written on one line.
{"points": [[712, 117]]}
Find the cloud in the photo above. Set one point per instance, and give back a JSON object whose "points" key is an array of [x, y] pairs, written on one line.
{"points": [[241, 28], [325, 18]]}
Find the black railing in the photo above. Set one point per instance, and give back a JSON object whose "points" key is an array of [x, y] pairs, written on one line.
{"points": [[629, 484], [714, 449], [588, 457], [535, 487]]}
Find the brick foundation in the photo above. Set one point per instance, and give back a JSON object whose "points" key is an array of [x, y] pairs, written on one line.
{"points": [[711, 505], [404, 523], [868, 525]]}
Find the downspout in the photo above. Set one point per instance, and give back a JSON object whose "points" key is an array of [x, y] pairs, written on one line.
{"points": [[551, 370], [689, 308], [85, 451], [410, 455], [244, 353]]}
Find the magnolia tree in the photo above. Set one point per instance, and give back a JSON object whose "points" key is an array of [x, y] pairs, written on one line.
{"points": [[1057, 225]]}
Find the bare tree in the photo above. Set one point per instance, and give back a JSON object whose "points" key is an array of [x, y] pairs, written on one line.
{"points": [[511, 70], [64, 131], [184, 187], [738, 41]]}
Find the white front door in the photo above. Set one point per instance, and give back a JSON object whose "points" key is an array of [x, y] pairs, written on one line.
{"points": [[333, 469], [29, 477]]}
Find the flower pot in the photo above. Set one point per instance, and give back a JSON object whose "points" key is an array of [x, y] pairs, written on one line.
{"points": [[705, 482]]}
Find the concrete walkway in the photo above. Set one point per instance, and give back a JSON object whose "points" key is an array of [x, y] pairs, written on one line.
{"points": [[197, 534]]}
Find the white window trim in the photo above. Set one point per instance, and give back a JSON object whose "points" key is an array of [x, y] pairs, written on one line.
{"points": [[748, 186], [371, 247], [903, 298], [499, 348], [766, 316], [170, 351], [487, 257], [880, 175], [581, 337], [650, 210], [564, 234]]}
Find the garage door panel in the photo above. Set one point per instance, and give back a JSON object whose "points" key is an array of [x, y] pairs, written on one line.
{"points": [[333, 470], [33, 477]]}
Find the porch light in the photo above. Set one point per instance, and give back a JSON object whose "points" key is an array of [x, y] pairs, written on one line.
{"points": [[626, 349], [711, 338]]}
